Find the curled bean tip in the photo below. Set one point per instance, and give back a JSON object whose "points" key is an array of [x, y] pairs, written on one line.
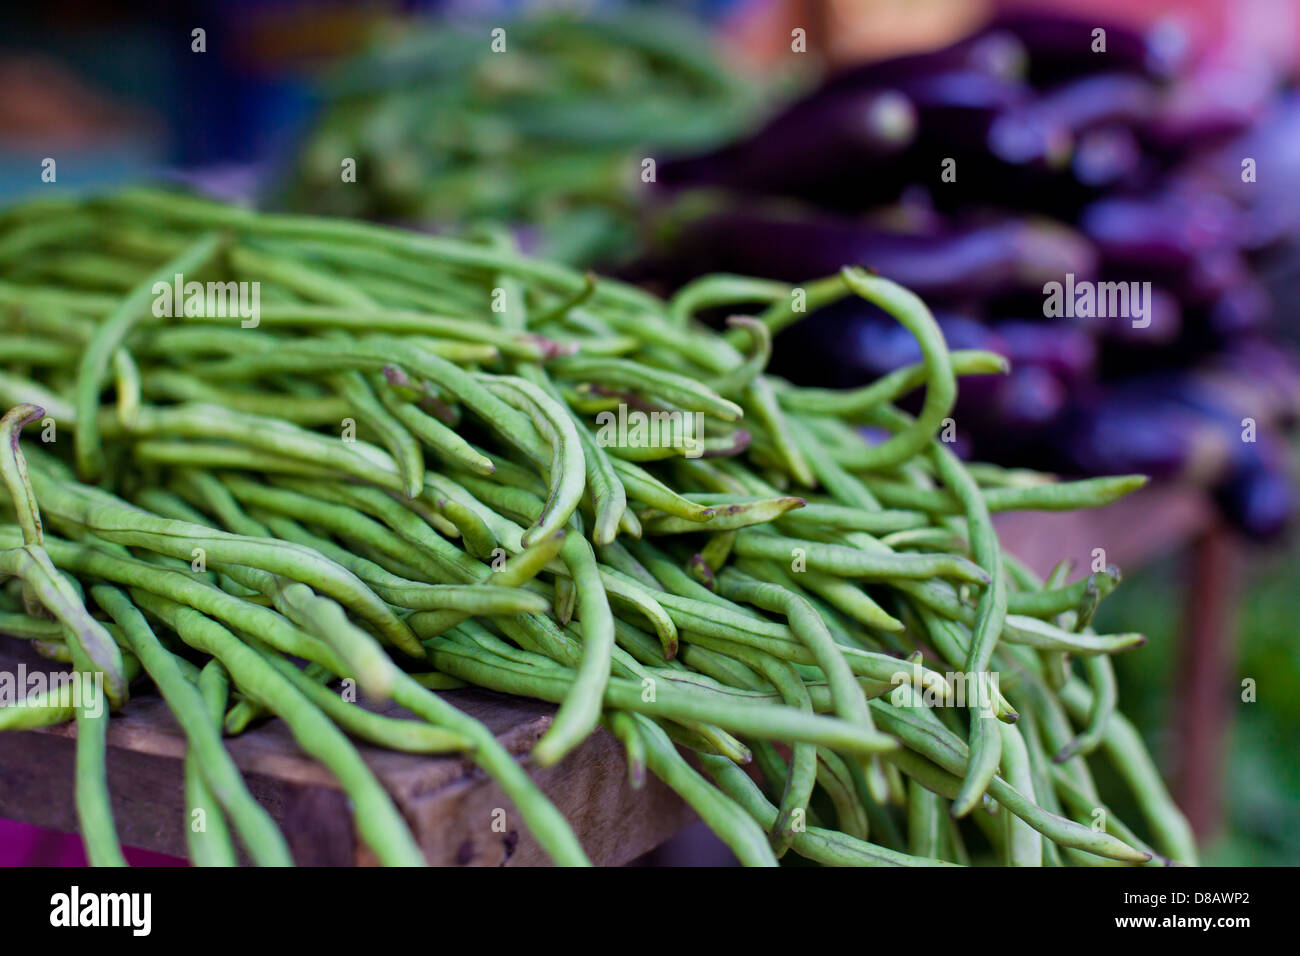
{"points": [[700, 569]]}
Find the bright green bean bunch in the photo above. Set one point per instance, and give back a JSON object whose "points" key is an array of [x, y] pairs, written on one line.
{"points": [[419, 463]]}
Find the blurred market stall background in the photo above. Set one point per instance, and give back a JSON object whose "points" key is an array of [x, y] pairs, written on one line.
{"points": [[1122, 168]]}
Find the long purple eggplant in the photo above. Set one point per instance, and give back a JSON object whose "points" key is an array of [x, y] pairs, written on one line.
{"points": [[1257, 492], [1269, 199], [1030, 397], [1061, 47], [1243, 308], [848, 149], [1140, 430], [1208, 107], [857, 148], [1163, 325], [1164, 231], [1066, 351], [1107, 157], [1266, 377], [823, 151], [995, 53], [982, 128], [963, 113], [853, 342], [1102, 98], [1179, 427], [1259, 497], [965, 262]]}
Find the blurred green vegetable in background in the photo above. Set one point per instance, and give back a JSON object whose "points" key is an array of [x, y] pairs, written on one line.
{"points": [[447, 128], [1262, 791]]}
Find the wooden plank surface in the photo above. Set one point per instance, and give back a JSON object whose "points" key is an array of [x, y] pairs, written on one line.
{"points": [[450, 805], [1133, 531]]}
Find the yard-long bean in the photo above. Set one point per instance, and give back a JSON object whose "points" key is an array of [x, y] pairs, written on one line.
{"points": [[427, 449]]}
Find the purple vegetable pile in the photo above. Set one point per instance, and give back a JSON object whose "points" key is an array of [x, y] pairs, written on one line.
{"points": [[978, 174]]}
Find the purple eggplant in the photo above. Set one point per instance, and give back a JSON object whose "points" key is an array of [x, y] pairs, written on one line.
{"points": [[980, 260], [1261, 376], [881, 345], [1207, 108], [1067, 352], [854, 148], [1004, 153], [1258, 499], [1173, 428], [1142, 317], [1161, 232], [994, 53], [1009, 414], [1214, 274], [1061, 47], [823, 151], [849, 149], [1030, 398], [1245, 307], [853, 342], [1106, 157], [1270, 201], [965, 89], [1100, 99], [967, 114], [1141, 428], [1163, 325], [1257, 492]]}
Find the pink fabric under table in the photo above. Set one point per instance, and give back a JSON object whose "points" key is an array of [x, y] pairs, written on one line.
{"points": [[22, 844]]}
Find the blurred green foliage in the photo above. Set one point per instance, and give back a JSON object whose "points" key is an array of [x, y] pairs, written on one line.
{"points": [[1262, 789], [549, 131]]}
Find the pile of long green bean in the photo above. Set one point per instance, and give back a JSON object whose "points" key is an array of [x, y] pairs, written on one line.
{"points": [[400, 475]]}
